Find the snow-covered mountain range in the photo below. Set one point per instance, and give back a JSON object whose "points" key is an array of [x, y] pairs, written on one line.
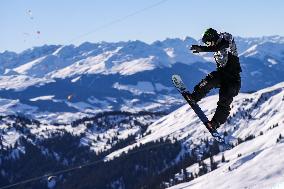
{"points": [[132, 75]]}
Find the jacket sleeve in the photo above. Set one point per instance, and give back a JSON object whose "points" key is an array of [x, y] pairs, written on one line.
{"points": [[219, 46]]}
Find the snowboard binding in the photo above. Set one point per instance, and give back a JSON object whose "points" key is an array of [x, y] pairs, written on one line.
{"points": [[212, 128]]}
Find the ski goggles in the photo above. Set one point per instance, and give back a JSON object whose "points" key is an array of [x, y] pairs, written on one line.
{"points": [[209, 43]]}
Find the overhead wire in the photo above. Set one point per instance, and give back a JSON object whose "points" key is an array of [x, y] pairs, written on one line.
{"points": [[101, 160], [115, 22], [81, 166], [119, 20]]}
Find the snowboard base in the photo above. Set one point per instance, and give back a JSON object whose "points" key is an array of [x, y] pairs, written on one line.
{"points": [[181, 87]]}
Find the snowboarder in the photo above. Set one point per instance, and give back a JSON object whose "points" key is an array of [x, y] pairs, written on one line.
{"points": [[226, 77]]}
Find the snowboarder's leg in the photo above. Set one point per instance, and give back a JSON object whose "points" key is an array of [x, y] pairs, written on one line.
{"points": [[226, 94], [211, 81]]}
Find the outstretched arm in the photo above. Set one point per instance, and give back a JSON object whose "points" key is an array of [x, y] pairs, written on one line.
{"points": [[221, 45]]}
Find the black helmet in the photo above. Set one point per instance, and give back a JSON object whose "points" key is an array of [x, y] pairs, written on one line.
{"points": [[210, 35]]}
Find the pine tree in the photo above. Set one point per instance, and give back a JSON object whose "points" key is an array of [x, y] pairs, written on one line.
{"points": [[229, 168], [279, 138], [223, 158], [191, 176], [240, 140], [202, 168], [185, 174], [213, 164], [225, 133]]}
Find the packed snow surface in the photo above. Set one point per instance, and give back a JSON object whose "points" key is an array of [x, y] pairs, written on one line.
{"points": [[260, 165]]}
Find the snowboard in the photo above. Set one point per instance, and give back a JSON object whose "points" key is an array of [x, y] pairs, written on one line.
{"points": [[180, 86]]}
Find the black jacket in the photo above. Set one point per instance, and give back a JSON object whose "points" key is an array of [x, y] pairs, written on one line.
{"points": [[226, 56]]}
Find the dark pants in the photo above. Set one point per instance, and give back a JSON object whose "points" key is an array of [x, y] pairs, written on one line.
{"points": [[228, 89]]}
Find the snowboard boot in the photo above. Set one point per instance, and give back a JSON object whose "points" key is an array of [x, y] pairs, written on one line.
{"points": [[212, 126]]}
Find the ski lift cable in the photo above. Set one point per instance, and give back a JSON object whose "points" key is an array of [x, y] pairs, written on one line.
{"points": [[119, 20], [79, 167], [30, 14], [101, 160]]}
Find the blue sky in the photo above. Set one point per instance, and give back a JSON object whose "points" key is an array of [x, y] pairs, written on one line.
{"points": [[68, 21]]}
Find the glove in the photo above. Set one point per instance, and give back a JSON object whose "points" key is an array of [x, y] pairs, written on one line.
{"points": [[196, 48]]}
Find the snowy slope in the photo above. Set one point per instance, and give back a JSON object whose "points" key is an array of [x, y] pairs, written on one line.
{"points": [[245, 43], [10, 107], [67, 61], [261, 164], [109, 63], [250, 114], [178, 50], [266, 50], [11, 60], [21, 82]]}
